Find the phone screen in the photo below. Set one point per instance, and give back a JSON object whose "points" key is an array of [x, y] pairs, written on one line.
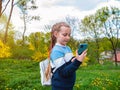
{"points": [[82, 47]]}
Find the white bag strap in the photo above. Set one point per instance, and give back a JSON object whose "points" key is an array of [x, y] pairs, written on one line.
{"points": [[55, 68]]}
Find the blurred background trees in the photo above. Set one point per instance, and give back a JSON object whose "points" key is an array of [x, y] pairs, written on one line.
{"points": [[100, 30]]}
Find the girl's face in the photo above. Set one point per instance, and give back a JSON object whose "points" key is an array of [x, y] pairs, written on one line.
{"points": [[63, 36]]}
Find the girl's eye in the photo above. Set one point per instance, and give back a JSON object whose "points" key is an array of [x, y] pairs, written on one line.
{"points": [[66, 34]]}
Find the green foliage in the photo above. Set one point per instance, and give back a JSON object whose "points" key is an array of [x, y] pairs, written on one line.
{"points": [[39, 43], [91, 27], [91, 53], [98, 77], [105, 44], [85, 62], [21, 52], [75, 43], [104, 23], [103, 14], [109, 18], [20, 75], [25, 75]]}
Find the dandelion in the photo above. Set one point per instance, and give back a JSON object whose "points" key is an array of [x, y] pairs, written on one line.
{"points": [[7, 88], [19, 86], [103, 88], [77, 85], [96, 82]]}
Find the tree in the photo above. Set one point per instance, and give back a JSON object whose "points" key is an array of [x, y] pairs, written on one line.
{"points": [[0, 7], [47, 28], [7, 26], [39, 43], [2, 11], [110, 18], [74, 24], [90, 26], [23, 5]]}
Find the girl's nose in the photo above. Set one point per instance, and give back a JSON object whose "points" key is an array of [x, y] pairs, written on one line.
{"points": [[68, 37]]}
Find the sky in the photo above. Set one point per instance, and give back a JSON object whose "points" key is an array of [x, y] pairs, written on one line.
{"points": [[52, 11]]}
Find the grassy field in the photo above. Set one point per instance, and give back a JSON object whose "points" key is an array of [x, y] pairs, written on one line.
{"points": [[25, 75]]}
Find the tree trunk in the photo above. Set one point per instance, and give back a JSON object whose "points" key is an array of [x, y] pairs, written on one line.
{"points": [[97, 45], [23, 36], [0, 8], [115, 53], [98, 56], [7, 26], [1, 11]]}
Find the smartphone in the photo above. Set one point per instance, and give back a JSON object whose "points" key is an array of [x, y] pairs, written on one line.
{"points": [[82, 47]]}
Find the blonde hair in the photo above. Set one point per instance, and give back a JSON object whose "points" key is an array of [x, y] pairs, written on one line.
{"points": [[56, 27]]}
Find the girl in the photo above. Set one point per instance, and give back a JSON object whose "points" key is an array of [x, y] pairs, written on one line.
{"points": [[63, 64]]}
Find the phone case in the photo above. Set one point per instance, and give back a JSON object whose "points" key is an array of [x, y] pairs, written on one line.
{"points": [[82, 47]]}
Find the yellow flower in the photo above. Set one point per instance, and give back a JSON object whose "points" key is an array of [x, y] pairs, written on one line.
{"points": [[4, 50], [31, 47]]}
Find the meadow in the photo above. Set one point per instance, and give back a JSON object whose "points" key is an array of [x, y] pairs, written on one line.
{"points": [[25, 75]]}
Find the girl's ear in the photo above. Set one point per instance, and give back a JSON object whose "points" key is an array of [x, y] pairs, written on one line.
{"points": [[55, 33]]}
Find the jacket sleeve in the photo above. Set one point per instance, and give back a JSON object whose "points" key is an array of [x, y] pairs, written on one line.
{"points": [[70, 68]]}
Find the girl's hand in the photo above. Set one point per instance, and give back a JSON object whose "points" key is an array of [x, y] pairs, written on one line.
{"points": [[73, 59], [82, 56]]}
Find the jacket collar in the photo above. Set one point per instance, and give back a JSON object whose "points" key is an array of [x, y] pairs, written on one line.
{"points": [[60, 45]]}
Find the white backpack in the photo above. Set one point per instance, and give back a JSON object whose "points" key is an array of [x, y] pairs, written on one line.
{"points": [[43, 66]]}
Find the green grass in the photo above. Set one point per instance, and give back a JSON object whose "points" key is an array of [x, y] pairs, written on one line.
{"points": [[25, 75]]}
